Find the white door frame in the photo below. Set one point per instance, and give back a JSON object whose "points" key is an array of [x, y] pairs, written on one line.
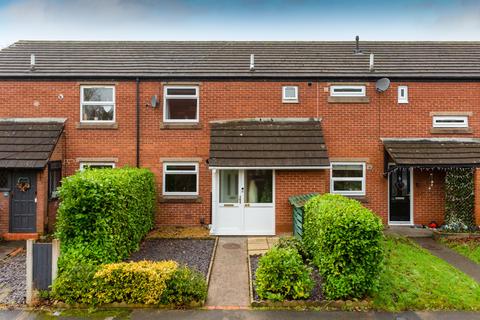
{"points": [[215, 203], [401, 223]]}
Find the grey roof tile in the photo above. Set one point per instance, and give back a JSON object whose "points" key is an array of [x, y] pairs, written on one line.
{"points": [[232, 59]]}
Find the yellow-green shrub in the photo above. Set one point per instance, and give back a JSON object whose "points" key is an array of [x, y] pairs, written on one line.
{"points": [[133, 282]]}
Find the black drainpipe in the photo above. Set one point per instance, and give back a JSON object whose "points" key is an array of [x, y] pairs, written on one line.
{"points": [[138, 123]]}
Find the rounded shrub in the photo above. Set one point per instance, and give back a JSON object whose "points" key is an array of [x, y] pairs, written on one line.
{"points": [[293, 243], [345, 240], [282, 275], [185, 287], [76, 285], [133, 282]]}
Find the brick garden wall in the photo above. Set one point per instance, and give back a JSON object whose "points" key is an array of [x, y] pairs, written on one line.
{"points": [[352, 131]]}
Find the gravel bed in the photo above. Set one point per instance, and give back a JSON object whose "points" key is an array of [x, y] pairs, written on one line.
{"points": [[13, 280], [316, 292], [194, 253]]}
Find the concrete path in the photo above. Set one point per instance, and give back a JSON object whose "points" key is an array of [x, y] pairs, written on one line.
{"points": [[229, 284], [7, 247], [151, 314], [457, 260], [410, 232], [260, 245]]}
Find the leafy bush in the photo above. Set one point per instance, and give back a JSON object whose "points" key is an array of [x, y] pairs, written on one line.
{"points": [[282, 275], [293, 243], [103, 214], [186, 286], [345, 241], [133, 282], [76, 285]]}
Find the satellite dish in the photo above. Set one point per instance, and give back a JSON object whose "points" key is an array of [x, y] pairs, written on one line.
{"points": [[153, 103], [382, 84]]}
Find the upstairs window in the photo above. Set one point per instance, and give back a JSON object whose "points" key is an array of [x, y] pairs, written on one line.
{"points": [[450, 121], [180, 104], [402, 94], [180, 179], [348, 178], [97, 104], [347, 91], [290, 94], [96, 165]]}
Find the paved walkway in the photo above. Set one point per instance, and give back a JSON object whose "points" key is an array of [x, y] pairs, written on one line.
{"points": [[458, 261], [229, 284], [260, 245], [410, 232], [7, 247], [151, 314]]}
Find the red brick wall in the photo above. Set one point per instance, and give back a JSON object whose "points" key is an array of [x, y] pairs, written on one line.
{"points": [[289, 183], [428, 197], [352, 131], [4, 213]]}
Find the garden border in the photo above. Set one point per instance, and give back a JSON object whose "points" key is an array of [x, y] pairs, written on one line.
{"points": [[437, 235], [324, 304], [210, 266]]}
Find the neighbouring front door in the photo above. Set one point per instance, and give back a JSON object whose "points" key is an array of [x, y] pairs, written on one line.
{"points": [[400, 196], [23, 203], [245, 203]]}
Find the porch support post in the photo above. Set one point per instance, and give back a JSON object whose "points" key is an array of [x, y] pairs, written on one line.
{"points": [[476, 196], [29, 268], [214, 202]]}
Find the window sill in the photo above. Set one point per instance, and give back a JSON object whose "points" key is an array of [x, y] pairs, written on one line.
{"points": [[348, 99], [180, 199], [84, 125], [290, 102], [362, 199], [180, 126], [451, 130]]}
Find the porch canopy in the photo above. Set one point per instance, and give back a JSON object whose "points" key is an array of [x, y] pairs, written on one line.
{"points": [[266, 143], [432, 152], [28, 143]]}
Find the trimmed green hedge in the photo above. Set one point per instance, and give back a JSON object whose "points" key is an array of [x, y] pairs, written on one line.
{"points": [[104, 214], [345, 240]]}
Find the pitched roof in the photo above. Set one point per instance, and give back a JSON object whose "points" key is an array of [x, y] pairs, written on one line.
{"points": [[267, 143], [434, 152], [28, 143], [232, 59]]}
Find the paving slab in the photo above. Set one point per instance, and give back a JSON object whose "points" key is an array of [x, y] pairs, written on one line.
{"points": [[229, 286], [460, 262]]}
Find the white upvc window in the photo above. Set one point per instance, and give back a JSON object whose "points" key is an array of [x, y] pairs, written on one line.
{"points": [[347, 91], [180, 104], [289, 94], [347, 178], [97, 103], [402, 94], [97, 165], [450, 121], [180, 179]]}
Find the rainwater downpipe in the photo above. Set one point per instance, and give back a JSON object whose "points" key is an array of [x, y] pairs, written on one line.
{"points": [[138, 123]]}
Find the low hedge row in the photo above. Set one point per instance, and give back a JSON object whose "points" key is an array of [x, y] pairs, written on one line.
{"points": [[144, 282], [345, 241], [104, 214]]}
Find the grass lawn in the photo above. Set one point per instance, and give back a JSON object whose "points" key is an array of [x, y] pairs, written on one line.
{"points": [[470, 248], [414, 279]]}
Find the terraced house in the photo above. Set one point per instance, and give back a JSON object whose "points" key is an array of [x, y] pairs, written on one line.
{"points": [[233, 129]]}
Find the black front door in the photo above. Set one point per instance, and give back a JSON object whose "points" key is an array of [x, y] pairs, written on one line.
{"points": [[23, 205], [399, 195]]}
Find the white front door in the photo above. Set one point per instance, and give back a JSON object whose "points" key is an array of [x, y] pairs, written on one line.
{"points": [[245, 202]]}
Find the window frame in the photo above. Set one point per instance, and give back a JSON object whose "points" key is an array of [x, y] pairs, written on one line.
{"points": [[83, 164], [362, 179], [97, 103], [54, 166], [166, 96], [179, 163], [363, 92], [404, 98], [9, 181], [464, 124], [289, 100]]}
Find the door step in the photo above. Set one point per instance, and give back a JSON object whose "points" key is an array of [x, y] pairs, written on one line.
{"points": [[20, 236]]}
